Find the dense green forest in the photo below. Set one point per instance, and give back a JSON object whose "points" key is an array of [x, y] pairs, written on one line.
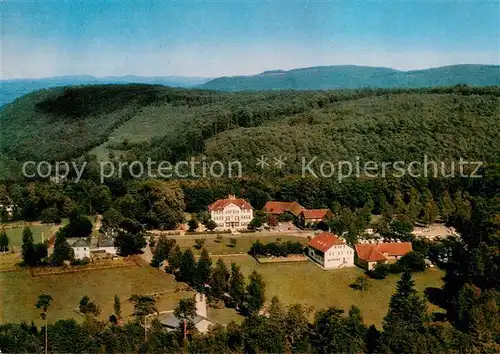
{"points": [[353, 77], [140, 121], [469, 321], [125, 122]]}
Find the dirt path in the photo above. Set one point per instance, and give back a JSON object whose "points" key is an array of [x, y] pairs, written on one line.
{"points": [[147, 255], [98, 222]]}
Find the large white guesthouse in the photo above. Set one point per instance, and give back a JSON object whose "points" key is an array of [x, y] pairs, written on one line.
{"points": [[330, 251], [231, 213]]}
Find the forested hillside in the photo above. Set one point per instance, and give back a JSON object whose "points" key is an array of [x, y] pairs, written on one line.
{"points": [[141, 121], [12, 89], [354, 77]]}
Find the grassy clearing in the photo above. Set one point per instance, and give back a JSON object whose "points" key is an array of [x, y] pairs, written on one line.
{"points": [[15, 234], [243, 243], [19, 291], [9, 261], [308, 284], [303, 283], [224, 316]]}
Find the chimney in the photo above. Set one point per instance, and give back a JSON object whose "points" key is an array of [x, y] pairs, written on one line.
{"points": [[231, 196]]}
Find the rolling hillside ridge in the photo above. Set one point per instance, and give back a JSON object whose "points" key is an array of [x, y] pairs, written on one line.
{"points": [[354, 77], [139, 121]]}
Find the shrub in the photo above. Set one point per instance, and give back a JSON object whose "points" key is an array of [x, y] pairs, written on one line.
{"points": [[380, 271], [198, 243], [361, 283], [323, 226], [255, 223], [211, 225], [412, 261], [395, 268], [276, 249], [193, 225]]}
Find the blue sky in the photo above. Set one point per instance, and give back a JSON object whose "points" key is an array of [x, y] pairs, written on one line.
{"points": [[216, 38]]}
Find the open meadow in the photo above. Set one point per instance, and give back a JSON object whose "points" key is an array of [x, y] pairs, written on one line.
{"points": [[19, 291], [308, 284], [15, 230], [303, 283], [15, 234]]}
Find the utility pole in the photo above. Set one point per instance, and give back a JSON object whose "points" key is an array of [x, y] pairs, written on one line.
{"points": [[46, 334]]}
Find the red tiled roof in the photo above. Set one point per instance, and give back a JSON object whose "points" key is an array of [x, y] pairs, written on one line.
{"points": [[275, 207], [222, 203], [315, 213], [324, 241], [373, 252]]}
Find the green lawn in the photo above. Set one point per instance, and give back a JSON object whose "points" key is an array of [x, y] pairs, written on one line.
{"points": [[308, 284], [19, 291], [303, 283], [15, 231], [16, 234], [243, 243], [224, 316]]}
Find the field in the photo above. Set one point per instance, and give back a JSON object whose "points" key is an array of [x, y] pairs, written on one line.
{"points": [[308, 284], [15, 234], [19, 291], [243, 243], [303, 283]]}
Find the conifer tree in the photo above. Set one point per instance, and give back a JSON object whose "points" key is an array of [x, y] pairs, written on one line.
{"points": [[255, 296], [203, 269], [236, 285], [220, 279], [4, 241], [62, 251], [187, 268], [404, 323], [174, 259], [28, 248]]}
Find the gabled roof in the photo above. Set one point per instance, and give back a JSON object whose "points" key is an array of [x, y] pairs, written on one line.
{"points": [[315, 213], [324, 241], [374, 252], [222, 203], [173, 322], [77, 242], [275, 207], [105, 241]]}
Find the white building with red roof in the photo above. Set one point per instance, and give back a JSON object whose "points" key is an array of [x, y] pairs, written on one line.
{"points": [[330, 251], [369, 254], [231, 213]]}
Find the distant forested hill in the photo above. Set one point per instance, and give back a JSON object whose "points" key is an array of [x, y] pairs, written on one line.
{"points": [[354, 77], [12, 89], [140, 121]]}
